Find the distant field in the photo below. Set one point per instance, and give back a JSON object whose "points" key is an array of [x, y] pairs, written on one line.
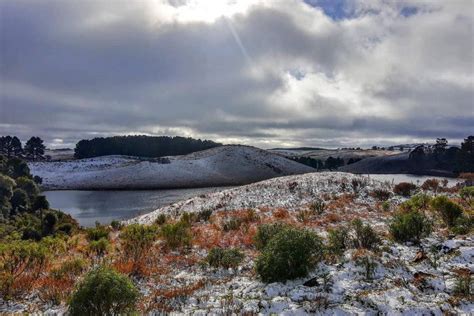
{"points": [[323, 154]]}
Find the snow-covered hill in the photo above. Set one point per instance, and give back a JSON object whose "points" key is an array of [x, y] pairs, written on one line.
{"points": [[291, 192], [226, 165]]}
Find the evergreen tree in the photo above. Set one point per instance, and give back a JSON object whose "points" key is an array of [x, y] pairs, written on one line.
{"points": [[34, 148]]}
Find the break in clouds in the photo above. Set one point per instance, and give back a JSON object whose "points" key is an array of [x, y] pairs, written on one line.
{"points": [[267, 73]]}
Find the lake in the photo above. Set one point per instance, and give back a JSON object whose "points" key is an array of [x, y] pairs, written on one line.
{"points": [[415, 179], [87, 207]]}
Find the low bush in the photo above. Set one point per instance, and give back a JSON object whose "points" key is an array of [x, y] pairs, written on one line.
{"points": [[386, 206], [161, 219], [381, 194], [18, 258], [266, 232], [232, 223], [225, 258], [463, 284], [447, 209], [99, 247], [364, 236], [409, 226], [338, 240], [467, 194], [416, 203], [203, 216], [136, 242], [70, 269], [430, 185], [177, 235], [368, 264], [104, 292], [289, 254], [404, 189], [115, 224], [97, 233], [463, 225], [318, 206]]}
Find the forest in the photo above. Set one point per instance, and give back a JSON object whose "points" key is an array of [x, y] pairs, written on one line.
{"points": [[141, 146]]}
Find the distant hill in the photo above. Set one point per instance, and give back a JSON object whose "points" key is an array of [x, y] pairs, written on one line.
{"points": [[224, 165], [297, 148], [399, 163]]}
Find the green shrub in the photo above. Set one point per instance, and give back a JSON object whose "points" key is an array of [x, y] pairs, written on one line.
{"points": [[177, 235], [6, 192], [161, 219], [49, 223], [232, 223], [40, 203], [463, 225], [266, 232], [368, 265], [225, 258], [29, 186], [20, 200], [203, 216], [18, 258], [318, 206], [463, 284], [467, 194], [70, 269], [364, 236], [338, 240], [289, 254], [136, 242], [115, 224], [97, 233], [415, 203], [386, 206], [30, 233], [66, 228], [104, 292], [99, 247], [409, 226], [381, 194], [447, 209], [404, 189]]}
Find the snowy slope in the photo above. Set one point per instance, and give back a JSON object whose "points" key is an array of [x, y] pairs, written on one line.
{"points": [[226, 165], [290, 192]]}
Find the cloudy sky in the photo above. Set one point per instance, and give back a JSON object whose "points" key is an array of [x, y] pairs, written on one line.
{"points": [[267, 73]]}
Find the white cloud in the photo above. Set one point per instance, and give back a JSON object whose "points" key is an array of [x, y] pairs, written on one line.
{"points": [[268, 73]]}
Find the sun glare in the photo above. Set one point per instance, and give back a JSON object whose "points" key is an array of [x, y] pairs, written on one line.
{"points": [[204, 10]]}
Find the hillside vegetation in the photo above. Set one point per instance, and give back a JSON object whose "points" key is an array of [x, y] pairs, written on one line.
{"points": [[331, 243], [140, 146]]}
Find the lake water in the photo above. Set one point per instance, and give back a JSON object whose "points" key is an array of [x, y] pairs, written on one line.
{"points": [[418, 180], [87, 207]]}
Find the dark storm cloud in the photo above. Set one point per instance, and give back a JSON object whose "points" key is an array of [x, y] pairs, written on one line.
{"points": [[73, 69]]}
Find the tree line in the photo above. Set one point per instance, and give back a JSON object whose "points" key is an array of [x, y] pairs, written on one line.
{"points": [[141, 146], [11, 146], [23, 209], [441, 156]]}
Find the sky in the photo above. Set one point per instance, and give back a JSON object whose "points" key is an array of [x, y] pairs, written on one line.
{"points": [[268, 73]]}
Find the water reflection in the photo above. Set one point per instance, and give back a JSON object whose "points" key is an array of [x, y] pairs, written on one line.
{"points": [[104, 206]]}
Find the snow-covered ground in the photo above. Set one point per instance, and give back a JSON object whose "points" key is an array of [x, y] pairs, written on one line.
{"points": [[226, 165], [289, 192], [400, 285]]}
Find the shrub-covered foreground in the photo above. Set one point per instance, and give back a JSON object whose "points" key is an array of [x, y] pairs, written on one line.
{"points": [[347, 256]]}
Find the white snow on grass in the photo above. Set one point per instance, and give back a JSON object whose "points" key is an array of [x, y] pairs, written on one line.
{"points": [[226, 165]]}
